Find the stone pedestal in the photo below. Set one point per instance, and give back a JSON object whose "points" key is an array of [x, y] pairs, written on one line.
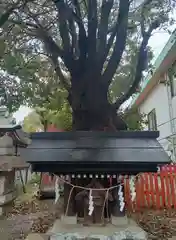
{"points": [[7, 174], [7, 190]]}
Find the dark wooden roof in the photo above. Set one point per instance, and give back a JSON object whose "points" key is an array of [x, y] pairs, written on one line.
{"points": [[92, 152]]}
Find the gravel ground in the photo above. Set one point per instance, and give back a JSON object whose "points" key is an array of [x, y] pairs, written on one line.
{"points": [[28, 217], [159, 224]]}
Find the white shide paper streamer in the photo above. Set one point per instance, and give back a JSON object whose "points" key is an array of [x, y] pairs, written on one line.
{"points": [[121, 198], [132, 188], [57, 190], [91, 207]]}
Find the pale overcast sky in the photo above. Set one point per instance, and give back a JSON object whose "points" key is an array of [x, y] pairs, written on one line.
{"points": [[157, 42]]}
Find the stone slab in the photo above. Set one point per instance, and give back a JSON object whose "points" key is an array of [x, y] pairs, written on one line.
{"points": [[107, 230], [119, 221], [36, 236], [69, 219]]}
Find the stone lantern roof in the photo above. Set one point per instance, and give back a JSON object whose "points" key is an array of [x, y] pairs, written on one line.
{"points": [[11, 139]]}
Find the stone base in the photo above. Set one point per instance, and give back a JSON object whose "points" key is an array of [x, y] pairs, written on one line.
{"points": [[4, 199], [69, 219], [60, 229], [119, 221], [5, 210], [118, 235], [7, 182]]}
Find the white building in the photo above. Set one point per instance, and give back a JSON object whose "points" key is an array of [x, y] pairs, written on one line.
{"points": [[157, 99]]}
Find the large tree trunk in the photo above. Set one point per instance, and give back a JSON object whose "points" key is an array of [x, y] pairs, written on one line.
{"points": [[91, 108]]}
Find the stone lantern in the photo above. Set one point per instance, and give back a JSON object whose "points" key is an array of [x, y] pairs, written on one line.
{"points": [[11, 138]]}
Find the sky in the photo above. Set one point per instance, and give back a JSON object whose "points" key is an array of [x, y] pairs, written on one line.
{"points": [[157, 42]]}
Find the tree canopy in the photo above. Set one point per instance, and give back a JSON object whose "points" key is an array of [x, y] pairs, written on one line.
{"points": [[32, 123], [95, 51]]}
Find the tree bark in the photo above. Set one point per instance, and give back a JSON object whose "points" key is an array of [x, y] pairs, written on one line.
{"points": [[91, 109]]}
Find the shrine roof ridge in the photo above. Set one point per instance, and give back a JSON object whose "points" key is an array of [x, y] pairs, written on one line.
{"points": [[78, 134]]}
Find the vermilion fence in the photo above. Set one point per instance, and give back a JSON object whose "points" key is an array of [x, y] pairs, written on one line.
{"points": [[153, 190]]}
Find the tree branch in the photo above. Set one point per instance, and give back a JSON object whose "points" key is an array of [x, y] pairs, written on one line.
{"points": [[42, 35], [145, 4], [22, 23], [121, 35], [142, 57], [103, 29], [82, 38], [62, 78], [63, 26], [54, 52], [66, 16], [74, 46], [92, 30], [51, 45], [108, 46]]}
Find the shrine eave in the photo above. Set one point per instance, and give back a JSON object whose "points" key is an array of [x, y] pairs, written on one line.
{"points": [[77, 134], [124, 168]]}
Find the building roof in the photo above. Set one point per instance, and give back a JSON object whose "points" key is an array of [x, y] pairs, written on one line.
{"points": [[95, 152], [161, 65]]}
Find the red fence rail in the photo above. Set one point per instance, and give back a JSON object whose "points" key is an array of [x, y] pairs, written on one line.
{"points": [[154, 190]]}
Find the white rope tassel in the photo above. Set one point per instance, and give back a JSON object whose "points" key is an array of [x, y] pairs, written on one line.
{"points": [[91, 207], [132, 188], [57, 190], [158, 169], [121, 198]]}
